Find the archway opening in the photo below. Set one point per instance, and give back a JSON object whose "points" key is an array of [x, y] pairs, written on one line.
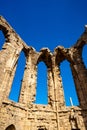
{"points": [[11, 127], [75, 129], [84, 55], [2, 39], [42, 129], [17, 81], [70, 93], [41, 88]]}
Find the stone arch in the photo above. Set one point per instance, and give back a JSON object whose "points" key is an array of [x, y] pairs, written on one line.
{"points": [[68, 84], [6, 32], [60, 54], [64, 54], [17, 78], [79, 70], [45, 56], [42, 86], [6, 29], [11, 127]]}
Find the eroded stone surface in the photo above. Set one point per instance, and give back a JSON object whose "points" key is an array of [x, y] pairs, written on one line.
{"points": [[25, 115]]}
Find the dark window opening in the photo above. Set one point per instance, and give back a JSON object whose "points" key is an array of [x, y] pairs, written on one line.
{"points": [[84, 55], [16, 85], [75, 129], [11, 127], [42, 129], [41, 88], [70, 94], [2, 39]]}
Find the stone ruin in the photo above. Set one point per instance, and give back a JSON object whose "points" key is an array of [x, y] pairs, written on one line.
{"points": [[25, 114]]}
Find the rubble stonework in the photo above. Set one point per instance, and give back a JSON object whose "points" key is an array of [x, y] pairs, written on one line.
{"points": [[25, 114]]}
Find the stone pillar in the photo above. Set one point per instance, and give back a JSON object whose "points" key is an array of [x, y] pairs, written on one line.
{"points": [[51, 94], [80, 78], [28, 89]]}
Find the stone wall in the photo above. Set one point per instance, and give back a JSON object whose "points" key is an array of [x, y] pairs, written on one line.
{"points": [[25, 114]]}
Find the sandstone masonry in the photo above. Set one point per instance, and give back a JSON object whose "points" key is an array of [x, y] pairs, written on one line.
{"points": [[26, 115]]}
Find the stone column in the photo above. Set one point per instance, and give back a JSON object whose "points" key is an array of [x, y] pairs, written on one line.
{"points": [[28, 89]]}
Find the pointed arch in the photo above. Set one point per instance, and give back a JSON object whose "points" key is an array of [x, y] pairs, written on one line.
{"points": [[41, 88], [84, 55], [68, 84], [11, 127], [2, 39], [18, 77]]}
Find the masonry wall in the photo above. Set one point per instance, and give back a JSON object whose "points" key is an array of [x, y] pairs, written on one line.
{"points": [[25, 114]]}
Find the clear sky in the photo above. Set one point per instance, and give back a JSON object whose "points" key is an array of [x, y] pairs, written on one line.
{"points": [[48, 23]]}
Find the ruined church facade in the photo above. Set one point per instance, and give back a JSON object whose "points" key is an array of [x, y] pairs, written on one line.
{"points": [[25, 114]]}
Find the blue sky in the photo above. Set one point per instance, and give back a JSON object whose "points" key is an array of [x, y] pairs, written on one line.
{"points": [[48, 23]]}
